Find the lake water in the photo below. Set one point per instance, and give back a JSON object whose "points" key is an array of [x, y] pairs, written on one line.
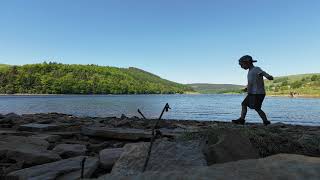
{"points": [[304, 111]]}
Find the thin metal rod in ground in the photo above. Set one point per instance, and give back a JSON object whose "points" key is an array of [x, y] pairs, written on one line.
{"points": [[82, 167], [141, 114], [166, 108]]}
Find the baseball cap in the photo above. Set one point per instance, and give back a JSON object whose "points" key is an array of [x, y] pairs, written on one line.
{"points": [[247, 58]]}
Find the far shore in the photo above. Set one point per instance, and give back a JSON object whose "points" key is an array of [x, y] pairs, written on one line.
{"points": [[188, 93], [296, 96]]}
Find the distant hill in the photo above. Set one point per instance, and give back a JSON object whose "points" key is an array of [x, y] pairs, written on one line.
{"points": [[302, 84], [4, 66], [204, 88], [56, 78]]}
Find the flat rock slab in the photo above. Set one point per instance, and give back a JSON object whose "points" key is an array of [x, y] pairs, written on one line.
{"points": [[48, 137], [30, 151], [61, 170], [70, 150], [116, 133], [165, 156], [14, 133], [68, 134], [129, 133], [277, 167], [176, 131], [35, 127]]}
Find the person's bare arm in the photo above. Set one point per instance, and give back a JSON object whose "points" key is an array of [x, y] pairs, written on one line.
{"points": [[268, 76]]}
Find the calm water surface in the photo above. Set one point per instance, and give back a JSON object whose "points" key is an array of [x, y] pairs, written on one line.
{"points": [[198, 107]]}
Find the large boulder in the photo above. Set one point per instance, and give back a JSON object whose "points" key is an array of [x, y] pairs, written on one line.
{"points": [[225, 145], [108, 157], [6, 121], [165, 156], [310, 143], [277, 167], [30, 151], [116, 133], [66, 169], [10, 118], [70, 150], [280, 138]]}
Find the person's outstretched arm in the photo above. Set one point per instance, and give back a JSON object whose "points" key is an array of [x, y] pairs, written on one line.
{"points": [[268, 76]]}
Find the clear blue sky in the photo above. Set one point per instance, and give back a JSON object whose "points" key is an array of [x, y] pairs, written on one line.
{"points": [[186, 41]]}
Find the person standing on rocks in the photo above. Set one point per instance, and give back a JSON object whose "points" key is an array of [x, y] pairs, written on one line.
{"points": [[255, 89]]}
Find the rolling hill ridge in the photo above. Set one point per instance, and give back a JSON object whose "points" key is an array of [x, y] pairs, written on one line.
{"points": [[57, 78], [205, 88], [301, 84]]}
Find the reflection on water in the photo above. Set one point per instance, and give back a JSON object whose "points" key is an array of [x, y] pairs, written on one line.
{"points": [[199, 107]]}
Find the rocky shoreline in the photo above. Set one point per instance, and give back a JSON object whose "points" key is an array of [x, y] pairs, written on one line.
{"points": [[62, 146]]}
